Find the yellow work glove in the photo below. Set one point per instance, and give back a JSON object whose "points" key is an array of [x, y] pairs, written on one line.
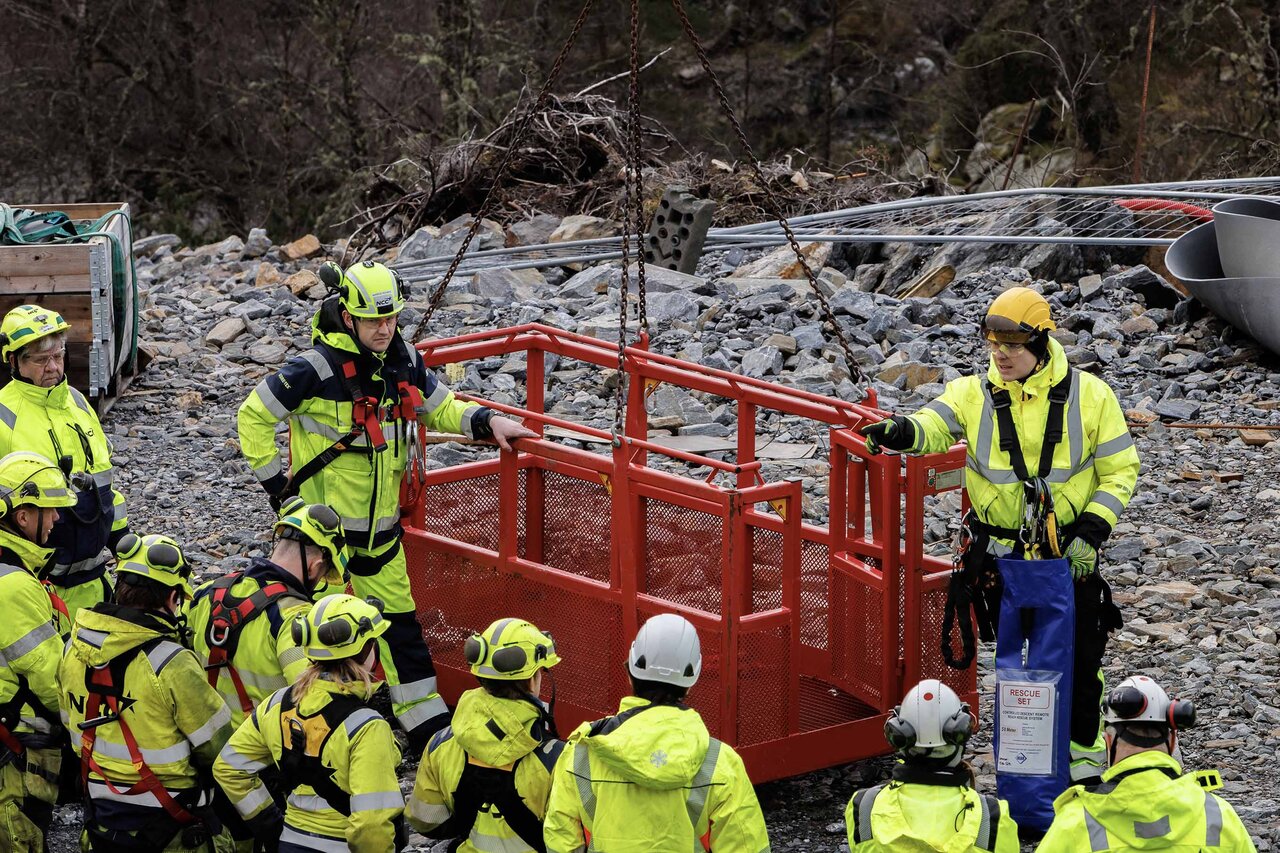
{"points": [[1083, 558]]}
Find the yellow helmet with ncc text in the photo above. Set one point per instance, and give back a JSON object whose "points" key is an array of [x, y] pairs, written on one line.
{"points": [[157, 558], [27, 324], [338, 627], [29, 479], [1017, 316], [318, 525], [510, 650], [368, 289]]}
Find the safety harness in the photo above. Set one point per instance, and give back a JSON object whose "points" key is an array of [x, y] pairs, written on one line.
{"points": [[303, 739], [364, 421], [11, 711], [105, 685], [483, 785], [228, 615], [1040, 528]]}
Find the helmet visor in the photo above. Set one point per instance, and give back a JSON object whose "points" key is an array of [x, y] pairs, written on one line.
{"points": [[1002, 330]]}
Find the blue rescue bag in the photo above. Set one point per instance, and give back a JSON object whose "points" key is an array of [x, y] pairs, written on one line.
{"points": [[1035, 647]]}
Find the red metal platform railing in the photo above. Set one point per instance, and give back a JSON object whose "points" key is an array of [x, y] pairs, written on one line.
{"points": [[809, 634]]}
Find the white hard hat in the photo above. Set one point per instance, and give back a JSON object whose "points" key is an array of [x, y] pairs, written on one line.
{"points": [[1138, 699], [931, 716], [666, 650]]}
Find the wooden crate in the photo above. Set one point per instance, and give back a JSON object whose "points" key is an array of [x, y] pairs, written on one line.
{"points": [[75, 280]]}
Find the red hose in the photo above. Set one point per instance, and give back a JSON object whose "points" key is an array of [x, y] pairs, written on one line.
{"points": [[1139, 205]]}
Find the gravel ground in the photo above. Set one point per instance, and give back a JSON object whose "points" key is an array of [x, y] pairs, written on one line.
{"points": [[1193, 561]]}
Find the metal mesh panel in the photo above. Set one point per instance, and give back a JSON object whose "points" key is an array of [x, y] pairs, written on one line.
{"points": [[764, 692], [457, 596], [858, 653], [822, 706], [576, 526], [682, 555], [814, 591], [766, 569], [932, 608], [465, 510]]}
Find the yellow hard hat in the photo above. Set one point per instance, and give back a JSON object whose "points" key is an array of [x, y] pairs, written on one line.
{"points": [[318, 525], [27, 324], [368, 289], [29, 479], [1016, 316], [510, 650], [338, 627], [158, 558]]}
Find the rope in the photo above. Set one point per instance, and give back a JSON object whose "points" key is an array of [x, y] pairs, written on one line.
{"points": [[774, 207], [517, 136]]}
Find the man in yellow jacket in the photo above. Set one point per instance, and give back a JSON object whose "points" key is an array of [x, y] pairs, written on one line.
{"points": [[1145, 801], [1033, 419], [144, 721], [931, 803], [32, 490], [652, 777], [41, 413], [485, 779], [240, 621], [356, 406]]}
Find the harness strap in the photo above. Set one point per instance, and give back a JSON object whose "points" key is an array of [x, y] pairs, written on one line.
{"points": [[364, 421], [480, 787], [300, 767], [106, 684], [959, 602], [1009, 443], [228, 615]]}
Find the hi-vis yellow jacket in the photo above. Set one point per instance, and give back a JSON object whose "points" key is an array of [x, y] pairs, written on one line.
{"points": [[1095, 466], [657, 781], [57, 422], [311, 393], [914, 818], [179, 721], [473, 737], [361, 753], [1146, 803]]}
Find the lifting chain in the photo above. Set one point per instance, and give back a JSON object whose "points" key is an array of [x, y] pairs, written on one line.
{"points": [[632, 221], [517, 136], [775, 208]]}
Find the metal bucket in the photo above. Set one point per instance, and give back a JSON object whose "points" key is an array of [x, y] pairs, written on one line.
{"points": [[1248, 237]]}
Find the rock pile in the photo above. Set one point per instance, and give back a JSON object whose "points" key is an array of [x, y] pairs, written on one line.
{"points": [[1194, 560]]}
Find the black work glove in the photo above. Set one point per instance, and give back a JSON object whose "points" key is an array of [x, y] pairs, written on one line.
{"points": [[266, 827], [895, 433]]}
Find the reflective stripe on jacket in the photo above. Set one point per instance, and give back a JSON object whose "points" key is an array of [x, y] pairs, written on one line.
{"points": [[473, 736], [1095, 466], [915, 817], [658, 781], [266, 657], [57, 422], [30, 643], [1144, 803], [362, 753], [179, 722], [310, 393]]}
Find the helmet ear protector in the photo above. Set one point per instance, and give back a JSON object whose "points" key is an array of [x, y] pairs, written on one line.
{"points": [[336, 632], [956, 729], [1129, 702], [331, 276], [508, 658]]}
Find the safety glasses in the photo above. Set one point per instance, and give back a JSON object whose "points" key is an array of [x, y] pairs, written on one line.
{"points": [[1002, 330]]}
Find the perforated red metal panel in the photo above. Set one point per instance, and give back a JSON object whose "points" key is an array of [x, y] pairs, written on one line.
{"points": [[801, 657], [683, 558]]}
